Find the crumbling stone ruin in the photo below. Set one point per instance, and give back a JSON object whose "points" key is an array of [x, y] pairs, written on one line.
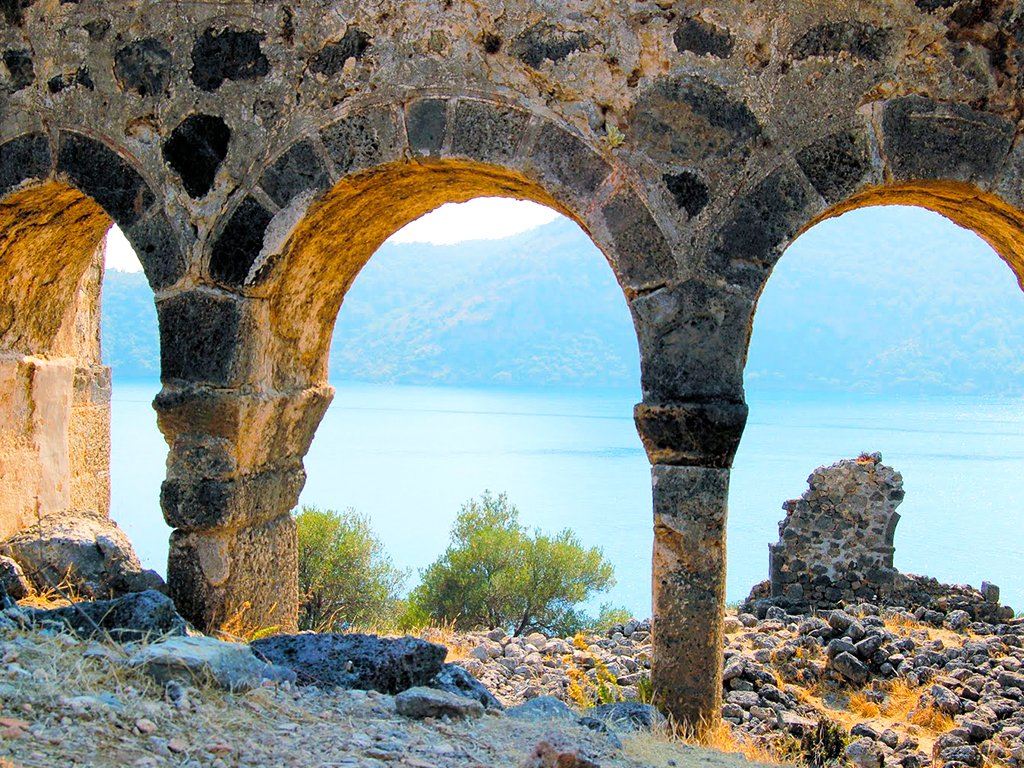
{"points": [[256, 155], [836, 542], [836, 548]]}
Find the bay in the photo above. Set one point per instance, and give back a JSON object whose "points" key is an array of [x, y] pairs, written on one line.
{"points": [[409, 456]]}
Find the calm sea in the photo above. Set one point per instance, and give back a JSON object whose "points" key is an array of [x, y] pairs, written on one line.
{"points": [[410, 456]]}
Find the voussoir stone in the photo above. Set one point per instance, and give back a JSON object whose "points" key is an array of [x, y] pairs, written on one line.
{"points": [[359, 661]]}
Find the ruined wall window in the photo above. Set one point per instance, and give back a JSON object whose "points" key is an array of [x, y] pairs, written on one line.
{"points": [[890, 329]]}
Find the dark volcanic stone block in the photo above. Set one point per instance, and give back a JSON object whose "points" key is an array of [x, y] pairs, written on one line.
{"points": [[19, 63], [764, 220], [425, 123], [228, 503], [143, 66], [14, 11], [79, 78], [330, 59], [198, 336], [195, 150], [296, 171], [572, 163], [837, 164], [693, 341], [863, 41], [642, 255], [702, 38], [696, 434], [486, 131], [156, 243], [362, 140], [363, 662], [228, 55], [688, 190], [688, 120], [239, 243], [925, 139], [105, 177], [26, 157], [546, 42], [133, 617]]}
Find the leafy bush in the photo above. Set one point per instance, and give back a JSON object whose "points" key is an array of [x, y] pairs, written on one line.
{"points": [[608, 616], [495, 573], [345, 576]]}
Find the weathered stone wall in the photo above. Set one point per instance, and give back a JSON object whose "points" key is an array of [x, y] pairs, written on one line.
{"points": [[256, 154], [836, 541]]}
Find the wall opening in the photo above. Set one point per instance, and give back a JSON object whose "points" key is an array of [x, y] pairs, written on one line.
{"points": [[55, 424], [889, 329], [138, 452], [464, 361]]}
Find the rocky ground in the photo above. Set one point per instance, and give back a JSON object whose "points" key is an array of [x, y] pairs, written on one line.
{"points": [[884, 685], [868, 686], [75, 690]]}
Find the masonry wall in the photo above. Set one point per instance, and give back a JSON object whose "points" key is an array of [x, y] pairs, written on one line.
{"points": [[836, 541], [256, 154]]}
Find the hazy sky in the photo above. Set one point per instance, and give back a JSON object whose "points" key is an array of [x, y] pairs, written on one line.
{"points": [[485, 218]]}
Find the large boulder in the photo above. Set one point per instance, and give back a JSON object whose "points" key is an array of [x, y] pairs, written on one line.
{"points": [[137, 616], [365, 662], [83, 549]]}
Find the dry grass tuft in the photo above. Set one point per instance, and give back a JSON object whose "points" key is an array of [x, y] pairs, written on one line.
{"points": [[931, 719], [860, 704], [722, 738], [900, 699]]}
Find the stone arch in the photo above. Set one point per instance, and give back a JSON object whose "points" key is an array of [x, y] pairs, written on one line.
{"points": [[282, 260], [60, 194], [956, 161]]}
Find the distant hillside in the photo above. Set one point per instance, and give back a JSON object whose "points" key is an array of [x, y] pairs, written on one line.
{"points": [[886, 300]]}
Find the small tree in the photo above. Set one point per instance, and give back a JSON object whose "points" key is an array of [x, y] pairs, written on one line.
{"points": [[496, 574], [345, 576]]}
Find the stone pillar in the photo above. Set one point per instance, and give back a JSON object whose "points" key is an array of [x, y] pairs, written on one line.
{"points": [[691, 446], [234, 475], [689, 591]]}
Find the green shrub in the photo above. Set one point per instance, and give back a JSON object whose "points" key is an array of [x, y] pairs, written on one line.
{"points": [[607, 617], [345, 577], [495, 573]]}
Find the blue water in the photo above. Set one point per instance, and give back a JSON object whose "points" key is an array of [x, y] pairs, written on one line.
{"points": [[410, 456]]}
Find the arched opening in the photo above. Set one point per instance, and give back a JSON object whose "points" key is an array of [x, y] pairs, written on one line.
{"points": [[57, 387], [463, 364], [890, 328]]}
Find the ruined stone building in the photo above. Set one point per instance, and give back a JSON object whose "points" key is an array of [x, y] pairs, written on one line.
{"points": [[257, 153]]}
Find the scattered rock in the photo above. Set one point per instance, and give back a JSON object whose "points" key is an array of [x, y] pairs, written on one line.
{"points": [[366, 662], [419, 702], [197, 660], [558, 751], [456, 680], [13, 580], [627, 716], [135, 616], [542, 708]]}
